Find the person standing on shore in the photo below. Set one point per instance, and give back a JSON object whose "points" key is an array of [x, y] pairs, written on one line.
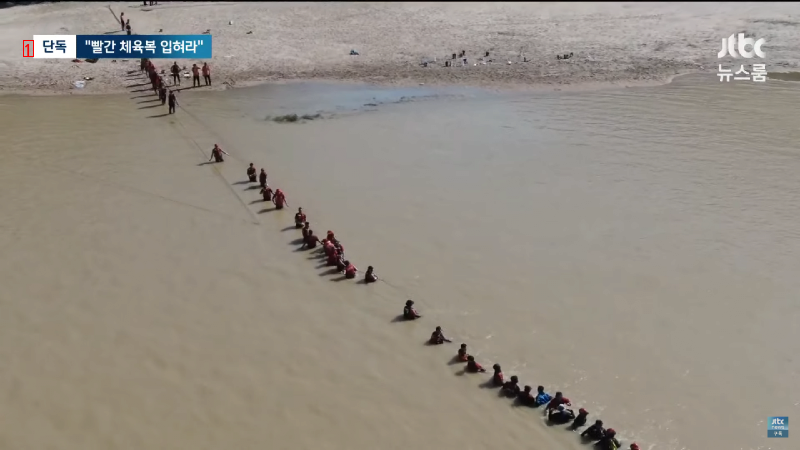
{"points": [[122, 21], [195, 76], [128, 27], [207, 74], [173, 102], [176, 74], [162, 93]]}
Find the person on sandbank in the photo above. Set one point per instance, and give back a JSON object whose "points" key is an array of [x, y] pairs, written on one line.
{"points": [[251, 173], [437, 337], [369, 276], [299, 218], [216, 154], [473, 366], [262, 178], [409, 313]]}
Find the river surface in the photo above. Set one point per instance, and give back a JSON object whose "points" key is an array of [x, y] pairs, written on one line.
{"points": [[636, 249]]}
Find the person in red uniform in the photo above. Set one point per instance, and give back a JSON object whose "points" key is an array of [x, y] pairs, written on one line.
{"points": [[462, 354], [334, 258], [559, 399], [195, 76], [310, 241], [328, 247], [299, 218], [498, 379], [266, 191], [216, 154], [279, 199], [473, 366], [350, 270]]}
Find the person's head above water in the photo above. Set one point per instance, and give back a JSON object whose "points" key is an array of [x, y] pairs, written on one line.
{"points": [[251, 164], [540, 389], [598, 423], [370, 269], [464, 346], [409, 302], [583, 411], [496, 367], [470, 358], [527, 389], [300, 210], [634, 446], [559, 395], [514, 379], [611, 432], [438, 328]]}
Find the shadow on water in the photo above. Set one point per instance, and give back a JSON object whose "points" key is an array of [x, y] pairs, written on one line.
{"points": [[239, 182], [150, 106], [158, 115], [148, 101]]}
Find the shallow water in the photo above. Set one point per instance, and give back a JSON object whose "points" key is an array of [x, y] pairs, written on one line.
{"points": [[635, 249]]}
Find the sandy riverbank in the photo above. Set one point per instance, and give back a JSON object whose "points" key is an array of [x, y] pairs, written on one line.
{"points": [[613, 43]]}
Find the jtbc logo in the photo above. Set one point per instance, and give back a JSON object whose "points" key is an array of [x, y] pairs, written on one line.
{"points": [[729, 47]]}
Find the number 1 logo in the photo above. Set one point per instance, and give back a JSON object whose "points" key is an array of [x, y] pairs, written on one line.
{"points": [[27, 49]]}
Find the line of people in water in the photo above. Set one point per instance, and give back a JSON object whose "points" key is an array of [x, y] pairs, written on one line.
{"points": [[330, 245], [557, 407]]}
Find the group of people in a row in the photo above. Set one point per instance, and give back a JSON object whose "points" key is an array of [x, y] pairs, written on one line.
{"points": [[332, 247], [557, 407], [159, 85]]}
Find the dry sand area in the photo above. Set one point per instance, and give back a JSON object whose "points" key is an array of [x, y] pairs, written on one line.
{"points": [[616, 43]]}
